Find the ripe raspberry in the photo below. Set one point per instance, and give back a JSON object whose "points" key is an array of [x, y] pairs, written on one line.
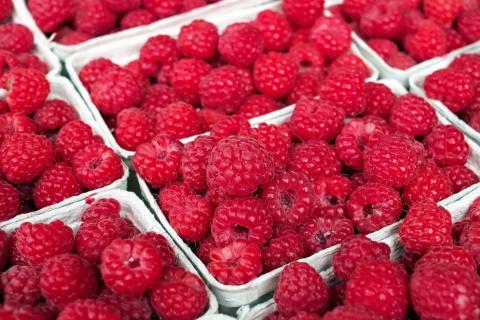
{"points": [[282, 250], [137, 18], [443, 12], [392, 161], [90, 73], [102, 208], [54, 114], [31, 61], [379, 99], [198, 40], [354, 9], [275, 28], [240, 44], [165, 74], [186, 77], [332, 36], [230, 126], [173, 196], [306, 54], [134, 127], [275, 141], [21, 286], [454, 40], [469, 63], [189, 5], [450, 255], [89, 309], [163, 9], [314, 158], [385, 48], [237, 263], [352, 312], [300, 288], [94, 17], [162, 245], [7, 8], [41, 312], [75, 38], [123, 5], [425, 226], [316, 119], [350, 61], [192, 218], [194, 162], [447, 146], [469, 239], [435, 290], [178, 120], [16, 38], [382, 19], [331, 193], [73, 137], [257, 105], [10, 206], [158, 51], [4, 248], [468, 25], [27, 89], [303, 13], [130, 307], [427, 42], [401, 61], [350, 98], [223, 89], [237, 166], [203, 249], [473, 213], [179, 295], [158, 162], [356, 136], [157, 97], [49, 15], [306, 86], [412, 115], [461, 177]]}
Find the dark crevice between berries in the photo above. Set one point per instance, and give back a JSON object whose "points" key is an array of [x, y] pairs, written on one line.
{"points": [[368, 210], [287, 198], [323, 237]]}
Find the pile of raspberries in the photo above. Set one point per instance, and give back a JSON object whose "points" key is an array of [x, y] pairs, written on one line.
{"points": [[16, 43], [107, 269], [435, 278], [184, 86], [250, 200], [406, 32], [47, 154], [73, 22]]}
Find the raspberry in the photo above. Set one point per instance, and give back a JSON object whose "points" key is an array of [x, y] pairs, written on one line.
{"points": [[56, 184], [179, 295], [97, 166], [49, 15], [380, 286], [54, 114], [454, 40], [314, 158], [275, 74], [382, 19], [307, 54], [178, 120], [162, 8], [16, 38], [447, 146], [356, 136], [331, 193], [116, 90], [223, 89], [457, 229], [90, 73], [401, 61], [303, 13], [157, 97], [350, 60], [306, 86], [186, 77], [385, 48], [282, 250], [240, 44], [158, 51], [473, 211], [300, 288], [354, 9], [324, 231], [274, 140], [230, 126], [21, 286], [275, 28], [173, 196], [11, 123], [134, 127], [192, 218], [88, 309], [162, 245], [198, 40], [352, 312], [27, 89], [73, 137], [443, 12], [461, 177], [237, 166], [412, 115], [469, 239], [425, 226], [27, 313], [10, 206], [189, 5], [332, 36], [257, 105], [237, 263], [93, 17], [75, 38], [468, 25], [392, 161], [379, 99], [7, 8], [435, 289], [203, 249], [316, 119], [131, 266], [450, 255], [351, 97], [123, 5], [469, 63], [137, 18], [102, 208], [194, 162], [31, 61], [130, 307], [427, 42]]}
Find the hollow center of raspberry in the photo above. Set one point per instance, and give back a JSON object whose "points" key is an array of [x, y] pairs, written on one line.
{"points": [[362, 142], [133, 263], [241, 232], [287, 198], [368, 210], [95, 163], [161, 155], [332, 200], [323, 237]]}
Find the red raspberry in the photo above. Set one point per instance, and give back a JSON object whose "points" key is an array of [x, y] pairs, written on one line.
{"points": [[354, 9], [392, 161], [303, 13], [223, 89], [412, 115], [192, 218], [4, 248], [203, 249], [54, 114], [186, 77], [165, 74], [230, 126], [380, 286], [470, 240], [131, 266], [189, 5], [137, 18], [162, 245], [469, 63], [351, 97], [24, 156], [162, 8], [427, 42], [123, 5], [89, 309], [447, 146], [237, 263], [473, 211], [130, 307], [300, 288], [41, 312], [194, 162], [468, 25], [454, 40], [275, 28], [10, 206], [314, 158], [332, 36], [73, 137], [450, 255], [316, 119], [21, 286], [350, 61], [240, 44], [90, 73], [97, 166], [274, 140], [102, 208], [442, 12], [198, 39], [470, 5], [282, 250], [178, 120], [75, 38], [7, 8], [93, 17], [16, 38], [385, 48], [49, 15], [116, 90], [179, 295], [435, 289], [425, 226], [27, 89], [158, 51], [379, 99], [457, 230], [306, 54], [31, 61], [401, 61], [134, 127], [382, 19], [356, 136], [275, 74], [351, 312], [306, 86], [173, 196], [237, 166], [157, 97], [11, 123], [257, 105], [158, 162], [331, 193], [461, 177], [56, 184]]}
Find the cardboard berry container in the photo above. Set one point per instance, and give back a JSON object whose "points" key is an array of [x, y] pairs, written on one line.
{"points": [[122, 53], [236, 296], [416, 86], [132, 208], [61, 88], [63, 51]]}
